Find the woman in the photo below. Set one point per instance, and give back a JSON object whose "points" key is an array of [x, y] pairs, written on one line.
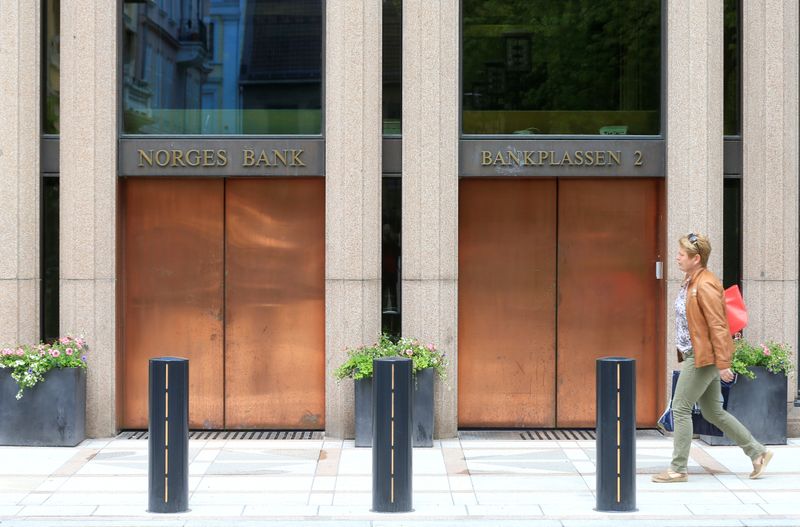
{"points": [[705, 348]]}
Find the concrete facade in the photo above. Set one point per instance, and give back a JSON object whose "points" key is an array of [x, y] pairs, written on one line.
{"points": [[770, 179], [88, 196], [20, 131], [430, 188], [353, 132], [692, 124], [694, 140]]}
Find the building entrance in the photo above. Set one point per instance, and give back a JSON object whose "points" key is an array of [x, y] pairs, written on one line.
{"points": [[228, 273], [554, 274]]}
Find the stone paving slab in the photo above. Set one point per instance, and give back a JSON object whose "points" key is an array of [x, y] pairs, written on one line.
{"points": [[468, 483]]}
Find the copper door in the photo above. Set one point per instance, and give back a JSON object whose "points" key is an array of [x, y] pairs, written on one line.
{"points": [[608, 293], [173, 291], [275, 303], [506, 303]]}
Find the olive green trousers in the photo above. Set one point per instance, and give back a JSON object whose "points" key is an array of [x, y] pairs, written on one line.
{"points": [[701, 385]]}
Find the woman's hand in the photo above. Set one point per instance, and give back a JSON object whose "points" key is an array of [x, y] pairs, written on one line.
{"points": [[726, 375]]}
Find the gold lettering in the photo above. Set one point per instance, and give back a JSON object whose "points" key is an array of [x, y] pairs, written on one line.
{"points": [[566, 160], [528, 157], [222, 158], [249, 158], [499, 160], [196, 155], [601, 158], [589, 155], [638, 160], [486, 158], [296, 161], [145, 158], [162, 161], [553, 158], [280, 155], [513, 156], [208, 158], [263, 158], [614, 156], [543, 156], [177, 158], [578, 158]]}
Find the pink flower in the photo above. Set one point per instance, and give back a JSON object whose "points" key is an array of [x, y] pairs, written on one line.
{"points": [[20, 352], [766, 350], [430, 347], [409, 352], [55, 353], [68, 351], [64, 340]]}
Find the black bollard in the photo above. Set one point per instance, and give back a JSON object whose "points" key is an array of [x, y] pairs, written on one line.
{"points": [[168, 467], [616, 434], [391, 435]]}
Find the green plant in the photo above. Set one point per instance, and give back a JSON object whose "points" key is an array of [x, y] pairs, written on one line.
{"points": [[359, 360], [773, 356], [28, 364]]}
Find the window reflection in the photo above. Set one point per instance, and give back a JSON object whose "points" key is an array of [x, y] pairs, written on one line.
{"points": [[52, 44], [222, 67], [50, 286], [732, 232], [732, 66], [390, 274], [556, 67], [392, 66]]}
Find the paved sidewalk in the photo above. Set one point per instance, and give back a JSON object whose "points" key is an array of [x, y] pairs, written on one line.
{"points": [[468, 483]]}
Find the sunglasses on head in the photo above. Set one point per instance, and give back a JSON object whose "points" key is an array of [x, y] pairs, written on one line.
{"points": [[692, 237]]}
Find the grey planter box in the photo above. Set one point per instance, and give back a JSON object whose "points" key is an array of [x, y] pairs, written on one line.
{"points": [[421, 411], [760, 405], [53, 413]]}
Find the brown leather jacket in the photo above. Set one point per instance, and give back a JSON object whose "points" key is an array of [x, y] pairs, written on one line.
{"points": [[708, 323]]}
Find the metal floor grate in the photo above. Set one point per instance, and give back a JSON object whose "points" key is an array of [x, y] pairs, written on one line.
{"points": [[528, 435], [235, 434]]}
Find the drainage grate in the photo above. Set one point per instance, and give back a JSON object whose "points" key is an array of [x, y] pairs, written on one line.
{"points": [[529, 435], [234, 434]]}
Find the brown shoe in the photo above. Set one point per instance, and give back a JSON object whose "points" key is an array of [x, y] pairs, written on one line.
{"points": [[670, 477], [760, 464]]}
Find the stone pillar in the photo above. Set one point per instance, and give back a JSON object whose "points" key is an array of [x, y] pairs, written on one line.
{"points": [[20, 130], [353, 133], [430, 188], [694, 139], [770, 175], [88, 189]]}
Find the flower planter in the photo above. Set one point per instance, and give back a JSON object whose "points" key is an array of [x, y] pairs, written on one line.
{"points": [[760, 405], [421, 410], [53, 413]]}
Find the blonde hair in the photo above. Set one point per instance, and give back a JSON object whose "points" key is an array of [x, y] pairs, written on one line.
{"points": [[695, 244]]}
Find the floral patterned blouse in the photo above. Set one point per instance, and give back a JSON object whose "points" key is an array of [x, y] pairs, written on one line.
{"points": [[683, 340]]}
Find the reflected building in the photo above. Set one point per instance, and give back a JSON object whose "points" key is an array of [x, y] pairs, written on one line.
{"points": [[166, 63]]}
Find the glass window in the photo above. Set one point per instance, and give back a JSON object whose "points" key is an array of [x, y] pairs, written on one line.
{"points": [[390, 273], [558, 67], [392, 66], [260, 72], [49, 262], [52, 34], [732, 232], [732, 65]]}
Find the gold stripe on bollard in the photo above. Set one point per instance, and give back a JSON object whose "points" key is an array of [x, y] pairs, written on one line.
{"points": [[166, 433], [619, 446], [391, 481]]}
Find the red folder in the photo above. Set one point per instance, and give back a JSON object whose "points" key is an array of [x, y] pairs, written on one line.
{"points": [[734, 308]]}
